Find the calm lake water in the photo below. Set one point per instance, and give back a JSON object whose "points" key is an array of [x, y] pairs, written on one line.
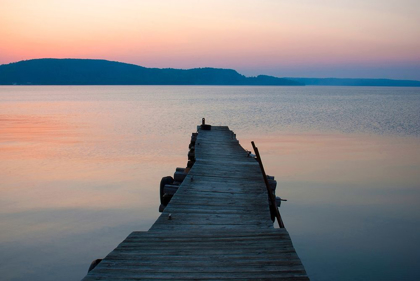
{"points": [[80, 170]]}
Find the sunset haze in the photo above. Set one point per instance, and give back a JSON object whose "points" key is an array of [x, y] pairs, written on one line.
{"points": [[363, 39]]}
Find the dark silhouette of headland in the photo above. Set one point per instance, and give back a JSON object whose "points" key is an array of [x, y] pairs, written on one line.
{"points": [[103, 72]]}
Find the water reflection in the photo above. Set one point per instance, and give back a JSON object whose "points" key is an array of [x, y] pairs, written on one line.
{"points": [[353, 202], [70, 192], [342, 158], [80, 168], [21, 133]]}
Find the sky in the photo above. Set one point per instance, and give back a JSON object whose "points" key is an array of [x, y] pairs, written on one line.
{"points": [[283, 38]]}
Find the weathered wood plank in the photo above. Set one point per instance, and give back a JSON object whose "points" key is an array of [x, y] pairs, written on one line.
{"points": [[210, 227], [273, 232], [138, 275]]}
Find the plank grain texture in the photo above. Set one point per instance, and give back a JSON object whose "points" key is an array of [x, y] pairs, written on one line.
{"points": [[216, 227]]}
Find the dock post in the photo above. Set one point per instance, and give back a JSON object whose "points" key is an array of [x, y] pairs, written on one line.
{"points": [[270, 194]]}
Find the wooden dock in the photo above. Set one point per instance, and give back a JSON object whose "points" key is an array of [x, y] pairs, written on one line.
{"points": [[216, 226]]}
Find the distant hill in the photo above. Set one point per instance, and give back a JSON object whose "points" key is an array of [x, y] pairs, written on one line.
{"points": [[103, 72], [356, 82]]}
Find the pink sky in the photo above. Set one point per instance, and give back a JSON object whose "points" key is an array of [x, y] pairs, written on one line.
{"points": [[325, 38]]}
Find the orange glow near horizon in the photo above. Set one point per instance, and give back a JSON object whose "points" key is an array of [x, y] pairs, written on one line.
{"points": [[235, 34]]}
